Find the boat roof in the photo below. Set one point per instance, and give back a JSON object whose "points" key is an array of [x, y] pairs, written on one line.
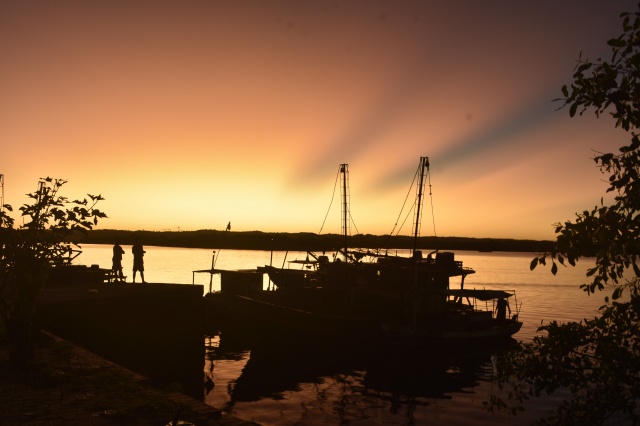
{"points": [[478, 294]]}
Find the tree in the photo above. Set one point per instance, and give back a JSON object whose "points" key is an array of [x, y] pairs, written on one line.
{"points": [[596, 360], [28, 253]]}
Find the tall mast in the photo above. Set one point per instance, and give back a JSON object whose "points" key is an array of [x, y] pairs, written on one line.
{"points": [[344, 188], [424, 165]]}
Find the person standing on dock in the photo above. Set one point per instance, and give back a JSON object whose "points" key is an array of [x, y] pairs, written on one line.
{"points": [[116, 266], [138, 261]]}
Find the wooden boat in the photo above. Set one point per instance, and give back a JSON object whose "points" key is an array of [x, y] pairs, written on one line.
{"points": [[405, 300], [463, 321]]}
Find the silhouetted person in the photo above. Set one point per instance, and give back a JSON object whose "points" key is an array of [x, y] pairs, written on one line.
{"points": [[501, 309], [138, 261], [116, 266]]}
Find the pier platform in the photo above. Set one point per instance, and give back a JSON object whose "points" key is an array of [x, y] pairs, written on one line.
{"points": [[76, 394], [101, 345]]}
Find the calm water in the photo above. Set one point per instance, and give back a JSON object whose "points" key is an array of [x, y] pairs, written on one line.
{"points": [[287, 383]]}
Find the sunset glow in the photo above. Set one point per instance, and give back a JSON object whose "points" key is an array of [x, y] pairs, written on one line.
{"points": [[187, 115]]}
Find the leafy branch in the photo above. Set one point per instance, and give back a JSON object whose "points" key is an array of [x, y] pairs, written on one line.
{"points": [[51, 226], [596, 362]]}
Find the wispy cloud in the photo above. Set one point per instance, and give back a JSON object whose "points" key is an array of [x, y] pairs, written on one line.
{"points": [[365, 133], [487, 145]]}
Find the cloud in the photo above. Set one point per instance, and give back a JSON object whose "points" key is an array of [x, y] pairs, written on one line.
{"points": [[366, 132], [488, 146]]}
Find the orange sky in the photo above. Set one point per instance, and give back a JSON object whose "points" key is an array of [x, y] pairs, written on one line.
{"points": [[186, 115]]}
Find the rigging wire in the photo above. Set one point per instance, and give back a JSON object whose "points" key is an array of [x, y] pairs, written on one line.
{"points": [[353, 222], [433, 216], [335, 185], [403, 206], [409, 214]]}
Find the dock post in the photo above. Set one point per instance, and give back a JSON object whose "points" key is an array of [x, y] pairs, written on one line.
{"points": [[213, 264]]}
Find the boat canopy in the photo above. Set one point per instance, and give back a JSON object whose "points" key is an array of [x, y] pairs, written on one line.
{"points": [[478, 294]]}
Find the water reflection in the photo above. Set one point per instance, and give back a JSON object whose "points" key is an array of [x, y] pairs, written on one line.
{"points": [[431, 375], [275, 379]]}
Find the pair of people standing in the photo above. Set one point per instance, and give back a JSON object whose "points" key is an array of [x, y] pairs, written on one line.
{"points": [[138, 262]]}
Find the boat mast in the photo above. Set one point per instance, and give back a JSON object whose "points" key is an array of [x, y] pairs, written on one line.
{"points": [[424, 164], [344, 170]]}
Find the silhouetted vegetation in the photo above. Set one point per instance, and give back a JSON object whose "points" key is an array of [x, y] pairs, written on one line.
{"points": [[306, 241], [596, 362], [51, 224]]}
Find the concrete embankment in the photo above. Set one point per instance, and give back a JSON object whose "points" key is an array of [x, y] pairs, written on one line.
{"points": [[141, 342], [153, 329]]}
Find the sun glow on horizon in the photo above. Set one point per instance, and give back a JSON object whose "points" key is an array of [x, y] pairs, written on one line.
{"points": [[190, 115]]}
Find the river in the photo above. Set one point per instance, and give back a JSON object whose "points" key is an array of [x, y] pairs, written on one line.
{"points": [[286, 383]]}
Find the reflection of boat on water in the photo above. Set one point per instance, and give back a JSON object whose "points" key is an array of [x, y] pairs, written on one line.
{"points": [[433, 374], [408, 300], [274, 367], [282, 365]]}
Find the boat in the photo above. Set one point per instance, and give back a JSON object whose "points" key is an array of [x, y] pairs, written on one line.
{"points": [[400, 300], [346, 267]]}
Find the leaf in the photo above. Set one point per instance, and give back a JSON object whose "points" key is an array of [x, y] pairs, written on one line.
{"points": [[616, 42], [606, 158], [533, 264], [554, 268], [572, 109], [582, 68], [617, 293]]}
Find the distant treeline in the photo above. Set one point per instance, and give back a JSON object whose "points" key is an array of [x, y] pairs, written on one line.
{"points": [[306, 241]]}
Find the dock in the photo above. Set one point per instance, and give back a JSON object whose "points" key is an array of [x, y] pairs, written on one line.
{"points": [[133, 332]]}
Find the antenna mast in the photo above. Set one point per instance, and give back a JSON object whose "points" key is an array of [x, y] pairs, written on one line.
{"points": [[344, 189], [424, 164]]}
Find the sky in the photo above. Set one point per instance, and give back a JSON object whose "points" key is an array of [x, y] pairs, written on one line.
{"points": [[188, 115]]}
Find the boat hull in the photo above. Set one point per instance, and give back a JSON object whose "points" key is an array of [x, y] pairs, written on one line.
{"points": [[269, 316], [248, 314], [479, 336]]}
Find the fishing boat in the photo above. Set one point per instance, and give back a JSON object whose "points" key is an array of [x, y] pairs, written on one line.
{"points": [[345, 268], [401, 299], [434, 310]]}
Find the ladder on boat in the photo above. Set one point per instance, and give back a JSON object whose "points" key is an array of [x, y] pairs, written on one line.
{"points": [[424, 165], [346, 214]]}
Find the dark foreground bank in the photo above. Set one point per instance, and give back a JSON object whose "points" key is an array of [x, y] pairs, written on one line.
{"points": [[112, 354], [70, 385], [306, 241]]}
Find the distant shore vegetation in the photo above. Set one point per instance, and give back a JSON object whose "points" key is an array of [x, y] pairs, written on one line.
{"points": [[307, 241]]}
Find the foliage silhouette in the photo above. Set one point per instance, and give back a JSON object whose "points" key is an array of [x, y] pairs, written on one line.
{"points": [[597, 361], [28, 253]]}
